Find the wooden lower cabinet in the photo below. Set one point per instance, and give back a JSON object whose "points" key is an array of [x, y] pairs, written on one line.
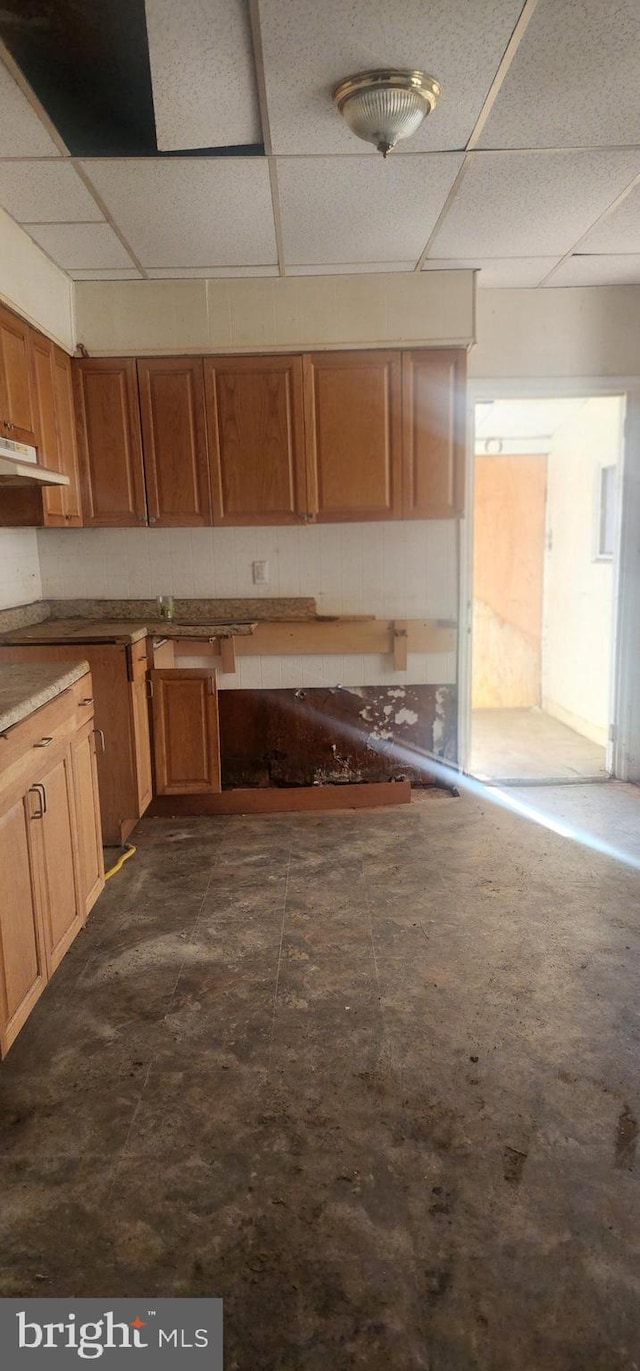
{"points": [[85, 785], [23, 968], [57, 852], [51, 870], [186, 737], [121, 721], [141, 742]]}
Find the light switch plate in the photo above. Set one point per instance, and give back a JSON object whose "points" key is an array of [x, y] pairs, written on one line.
{"points": [[260, 571]]}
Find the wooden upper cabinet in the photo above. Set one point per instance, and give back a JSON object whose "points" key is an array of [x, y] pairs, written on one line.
{"points": [[174, 438], [255, 418], [17, 408], [109, 441], [44, 401], [353, 434], [63, 506], [434, 420]]}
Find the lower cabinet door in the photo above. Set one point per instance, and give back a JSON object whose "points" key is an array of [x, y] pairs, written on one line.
{"points": [[23, 973], [87, 808], [63, 907], [186, 738]]}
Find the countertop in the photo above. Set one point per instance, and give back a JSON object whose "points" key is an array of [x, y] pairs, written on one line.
{"points": [[26, 687], [118, 631]]}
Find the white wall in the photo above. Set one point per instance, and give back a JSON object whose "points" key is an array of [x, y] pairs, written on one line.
{"points": [[578, 592], [20, 581], [392, 309], [404, 570], [32, 285]]}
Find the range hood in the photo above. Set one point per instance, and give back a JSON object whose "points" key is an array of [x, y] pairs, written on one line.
{"points": [[19, 467]]}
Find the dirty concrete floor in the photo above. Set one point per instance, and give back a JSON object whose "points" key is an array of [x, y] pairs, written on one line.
{"points": [[372, 1077]]}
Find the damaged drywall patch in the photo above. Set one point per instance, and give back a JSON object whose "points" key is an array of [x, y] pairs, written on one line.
{"points": [[406, 716]]}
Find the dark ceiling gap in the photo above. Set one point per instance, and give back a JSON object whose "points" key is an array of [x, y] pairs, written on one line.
{"points": [[88, 64]]}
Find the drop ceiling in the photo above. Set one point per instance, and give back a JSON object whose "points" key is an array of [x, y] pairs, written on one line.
{"points": [[157, 140]]}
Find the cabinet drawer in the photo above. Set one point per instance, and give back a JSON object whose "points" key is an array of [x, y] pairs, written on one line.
{"points": [[26, 748]]}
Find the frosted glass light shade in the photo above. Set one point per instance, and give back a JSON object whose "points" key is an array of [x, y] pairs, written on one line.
{"points": [[382, 107]]}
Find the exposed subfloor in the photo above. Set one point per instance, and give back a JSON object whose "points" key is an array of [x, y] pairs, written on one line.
{"points": [[371, 1077], [530, 745]]}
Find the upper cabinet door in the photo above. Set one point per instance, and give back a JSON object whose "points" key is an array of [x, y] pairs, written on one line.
{"points": [[174, 440], [434, 420], [255, 422], [17, 405], [109, 441], [63, 505], [44, 397], [353, 434]]}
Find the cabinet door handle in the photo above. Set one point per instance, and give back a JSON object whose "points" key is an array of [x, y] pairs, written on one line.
{"points": [[100, 734], [149, 685], [40, 791], [44, 742]]}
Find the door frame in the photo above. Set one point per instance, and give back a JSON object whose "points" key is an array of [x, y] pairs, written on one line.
{"points": [[623, 750]]}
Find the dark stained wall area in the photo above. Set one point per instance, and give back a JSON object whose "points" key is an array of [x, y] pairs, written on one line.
{"points": [[309, 737]]}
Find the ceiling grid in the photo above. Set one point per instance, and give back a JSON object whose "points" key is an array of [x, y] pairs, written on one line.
{"points": [[527, 171]]}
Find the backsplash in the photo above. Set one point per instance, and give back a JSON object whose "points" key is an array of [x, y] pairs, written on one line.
{"points": [[19, 567], [393, 568], [403, 570]]}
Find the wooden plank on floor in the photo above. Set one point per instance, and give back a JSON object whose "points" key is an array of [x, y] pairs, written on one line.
{"points": [[290, 800]]}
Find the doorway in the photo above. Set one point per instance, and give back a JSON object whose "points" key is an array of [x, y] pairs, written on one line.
{"points": [[544, 567]]}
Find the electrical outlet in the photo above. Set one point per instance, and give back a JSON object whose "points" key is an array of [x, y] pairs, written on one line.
{"points": [[260, 571]]}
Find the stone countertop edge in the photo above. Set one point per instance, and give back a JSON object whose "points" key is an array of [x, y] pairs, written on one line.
{"points": [[25, 687], [95, 631]]}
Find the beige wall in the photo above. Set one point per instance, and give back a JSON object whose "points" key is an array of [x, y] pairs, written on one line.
{"points": [[578, 613], [588, 332], [394, 309], [32, 285], [508, 555]]}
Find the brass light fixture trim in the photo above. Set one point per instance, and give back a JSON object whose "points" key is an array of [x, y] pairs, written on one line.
{"points": [[382, 107]]}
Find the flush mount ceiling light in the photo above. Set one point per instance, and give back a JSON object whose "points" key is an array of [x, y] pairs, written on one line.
{"points": [[384, 106]]}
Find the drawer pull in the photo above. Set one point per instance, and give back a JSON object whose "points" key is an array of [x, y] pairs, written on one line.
{"points": [[88, 701], [44, 742], [40, 791], [100, 734]]}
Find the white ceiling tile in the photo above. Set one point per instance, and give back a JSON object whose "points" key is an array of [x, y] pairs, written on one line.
{"points": [[498, 272], [105, 274], [361, 209], [202, 72], [183, 211], [350, 268], [81, 245], [45, 192], [22, 133], [602, 270], [207, 273], [309, 47], [515, 204], [620, 231], [574, 79]]}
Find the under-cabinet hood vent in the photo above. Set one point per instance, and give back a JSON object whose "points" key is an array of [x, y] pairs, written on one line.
{"points": [[19, 467]]}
